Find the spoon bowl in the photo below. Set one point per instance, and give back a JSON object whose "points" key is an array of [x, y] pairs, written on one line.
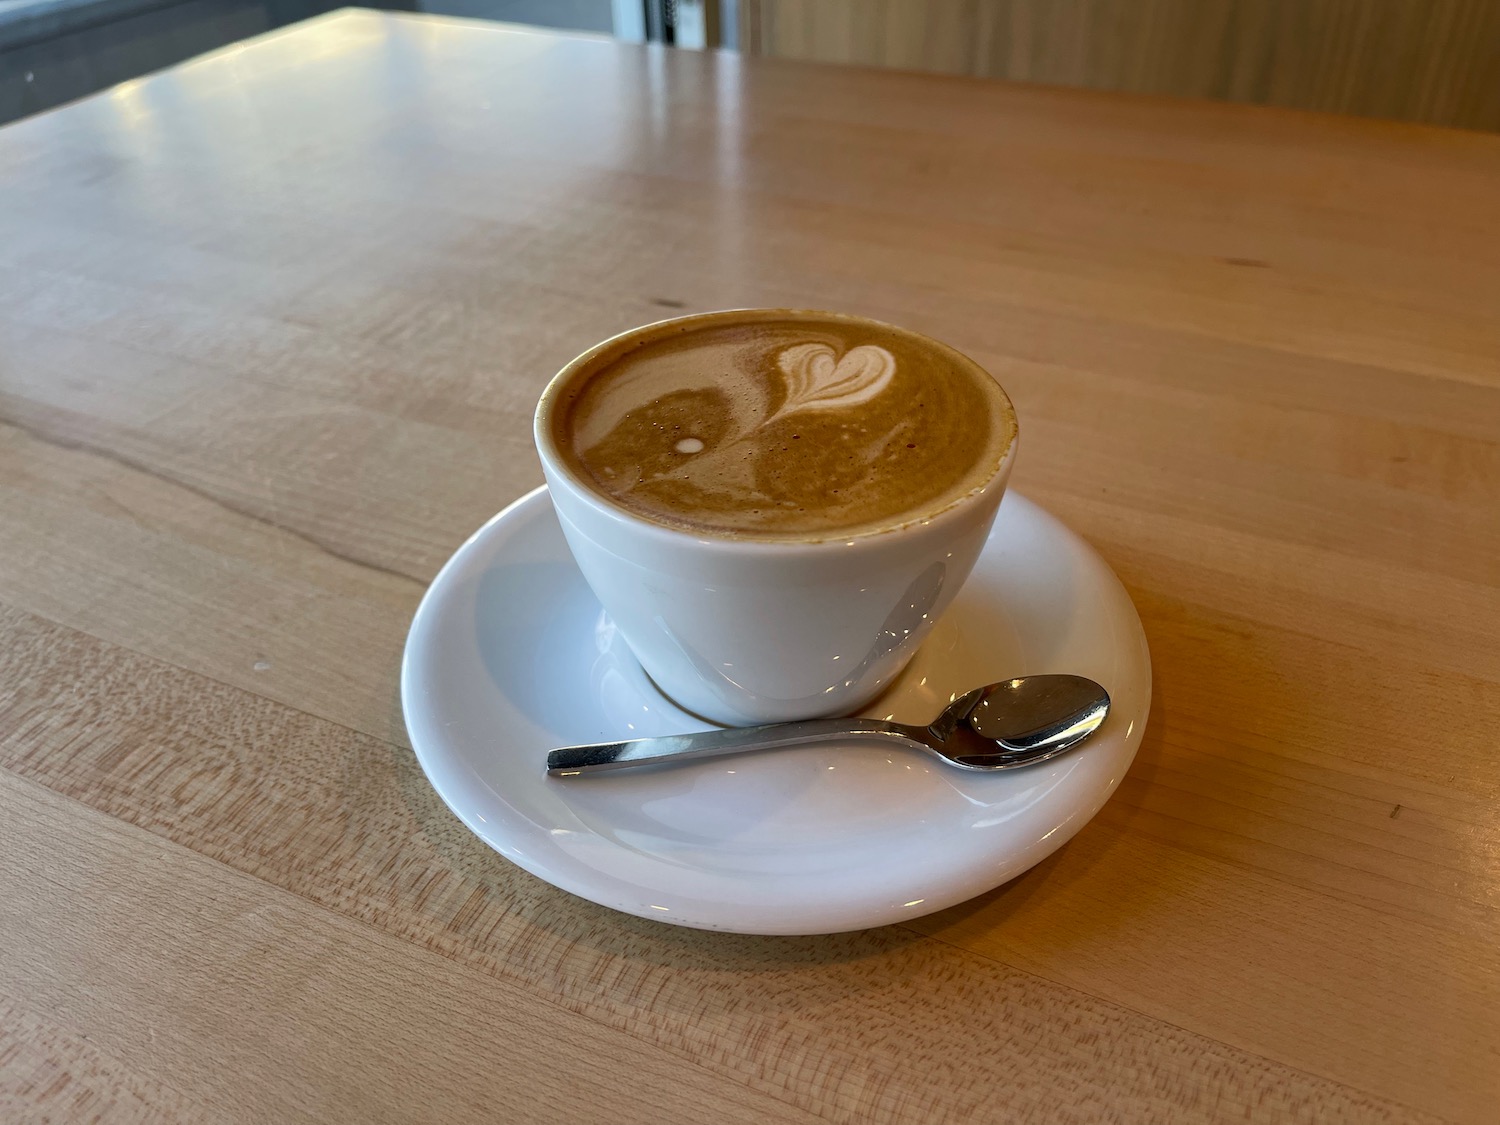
{"points": [[1000, 726]]}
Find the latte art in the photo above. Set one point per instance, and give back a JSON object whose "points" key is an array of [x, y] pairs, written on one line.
{"points": [[782, 425], [817, 379]]}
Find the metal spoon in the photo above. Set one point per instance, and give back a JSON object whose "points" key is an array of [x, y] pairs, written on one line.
{"points": [[999, 727]]}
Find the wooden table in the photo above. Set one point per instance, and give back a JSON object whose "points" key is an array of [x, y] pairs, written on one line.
{"points": [[271, 327]]}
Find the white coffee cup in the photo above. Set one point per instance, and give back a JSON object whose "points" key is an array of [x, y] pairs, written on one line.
{"points": [[744, 631]]}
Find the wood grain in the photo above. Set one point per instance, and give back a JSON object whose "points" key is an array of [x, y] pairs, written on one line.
{"points": [[271, 326], [849, 1027], [1434, 62], [52, 1073], [269, 1008]]}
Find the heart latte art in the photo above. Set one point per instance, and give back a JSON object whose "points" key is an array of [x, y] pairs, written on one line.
{"points": [[817, 378], [782, 425]]}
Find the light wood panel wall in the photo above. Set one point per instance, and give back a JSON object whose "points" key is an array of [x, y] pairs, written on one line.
{"points": [[1419, 60]]}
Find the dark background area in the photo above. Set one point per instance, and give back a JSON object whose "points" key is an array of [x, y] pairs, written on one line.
{"points": [[55, 51]]}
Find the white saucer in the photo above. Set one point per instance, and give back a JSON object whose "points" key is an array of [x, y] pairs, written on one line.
{"points": [[510, 655]]}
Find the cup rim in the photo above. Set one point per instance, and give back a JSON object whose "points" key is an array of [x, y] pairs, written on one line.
{"points": [[557, 468]]}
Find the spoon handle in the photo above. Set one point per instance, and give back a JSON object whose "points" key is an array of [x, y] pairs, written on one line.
{"points": [[570, 760]]}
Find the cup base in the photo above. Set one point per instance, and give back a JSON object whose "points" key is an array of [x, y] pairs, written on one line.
{"points": [[881, 690]]}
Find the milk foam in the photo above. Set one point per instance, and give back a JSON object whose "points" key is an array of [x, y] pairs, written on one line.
{"points": [[794, 427]]}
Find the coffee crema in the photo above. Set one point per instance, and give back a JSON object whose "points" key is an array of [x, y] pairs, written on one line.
{"points": [[781, 425]]}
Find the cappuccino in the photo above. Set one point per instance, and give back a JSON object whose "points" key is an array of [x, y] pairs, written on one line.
{"points": [[781, 425]]}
